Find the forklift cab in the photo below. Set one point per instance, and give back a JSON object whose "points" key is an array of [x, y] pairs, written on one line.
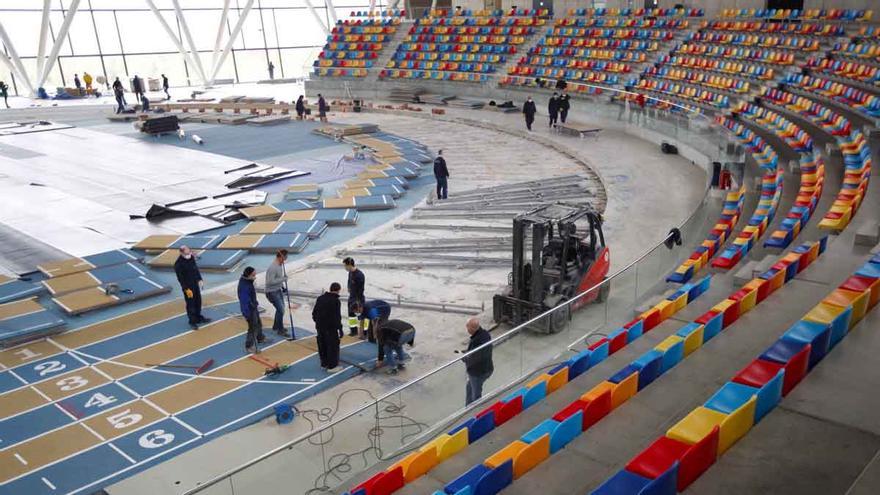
{"points": [[559, 251]]}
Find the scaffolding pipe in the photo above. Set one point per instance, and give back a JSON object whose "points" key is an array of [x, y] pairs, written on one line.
{"points": [[194, 53], [317, 17], [235, 31]]}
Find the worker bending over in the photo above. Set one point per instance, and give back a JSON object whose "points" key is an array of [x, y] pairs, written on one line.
{"points": [[375, 313], [391, 336]]}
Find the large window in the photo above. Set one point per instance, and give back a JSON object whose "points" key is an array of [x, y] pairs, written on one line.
{"points": [[121, 38]]}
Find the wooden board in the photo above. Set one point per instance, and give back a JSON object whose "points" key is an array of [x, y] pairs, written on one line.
{"points": [[262, 212], [156, 242]]}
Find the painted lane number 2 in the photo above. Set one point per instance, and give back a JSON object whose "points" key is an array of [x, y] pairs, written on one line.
{"points": [[49, 367]]}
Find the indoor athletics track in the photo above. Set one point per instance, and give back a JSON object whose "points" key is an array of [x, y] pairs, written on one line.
{"points": [[80, 410]]}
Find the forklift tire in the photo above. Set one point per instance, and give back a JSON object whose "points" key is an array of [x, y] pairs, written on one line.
{"points": [[559, 319], [604, 291]]}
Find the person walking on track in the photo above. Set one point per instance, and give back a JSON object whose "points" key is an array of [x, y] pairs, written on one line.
{"points": [[275, 279], [441, 174], [529, 110]]}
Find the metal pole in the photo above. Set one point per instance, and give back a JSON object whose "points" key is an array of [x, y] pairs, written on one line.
{"points": [[219, 39], [328, 4], [238, 25], [44, 31], [59, 40], [317, 17], [289, 307], [192, 46], [14, 60], [170, 33]]}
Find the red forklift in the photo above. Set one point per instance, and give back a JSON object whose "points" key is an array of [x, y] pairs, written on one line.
{"points": [[568, 256]]}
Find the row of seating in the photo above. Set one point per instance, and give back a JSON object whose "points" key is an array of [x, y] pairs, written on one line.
{"points": [[810, 14], [762, 55], [639, 12], [796, 138], [699, 78], [512, 12], [550, 436], [379, 13], [733, 205], [765, 212], [485, 30], [481, 21], [571, 63], [808, 29], [530, 82], [464, 38], [484, 68], [862, 101], [574, 75], [740, 69], [861, 50], [812, 182], [763, 154], [703, 96], [869, 32], [333, 62], [457, 48], [612, 33], [451, 57], [675, 460], [762, 40], [553, 46], [434, 75], [853, 146], [655, 103], [358, 38], [586, 54], [342, 25], [867, 74], [622, 22]]}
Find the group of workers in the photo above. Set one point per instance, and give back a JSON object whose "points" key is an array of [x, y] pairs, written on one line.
{"points": [[557, 109], [323, 108], [367, 320], [137, 87]]}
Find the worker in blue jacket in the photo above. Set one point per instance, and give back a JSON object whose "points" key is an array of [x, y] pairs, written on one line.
{"points": [[375, 313], [247, 301]]}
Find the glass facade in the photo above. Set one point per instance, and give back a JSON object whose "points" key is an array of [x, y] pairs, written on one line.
{"points": [[121, 38]]}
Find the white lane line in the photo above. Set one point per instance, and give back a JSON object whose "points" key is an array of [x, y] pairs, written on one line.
{"points": [[120, 452], [92, 431], [48, 483], [20, 458], [43, 395], [241, 418]]}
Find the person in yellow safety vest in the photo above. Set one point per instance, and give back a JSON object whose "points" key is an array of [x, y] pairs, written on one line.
{"points": [[87, 78]]}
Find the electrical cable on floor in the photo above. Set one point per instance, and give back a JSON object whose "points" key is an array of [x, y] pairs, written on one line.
{"points": [[393, 419]]}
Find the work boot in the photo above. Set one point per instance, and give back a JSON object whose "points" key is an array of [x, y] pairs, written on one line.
{"points": [[250, 349], [401, 367], [204, 320], [335, 369], [260, 340], [194, 326]]}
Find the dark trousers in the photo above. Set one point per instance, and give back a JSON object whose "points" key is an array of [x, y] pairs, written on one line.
{"points": [[474, 389], [120, 104], [255, 329], [167, 93], [328, 348], [563, 114], [194, 306], [442, 187], [552, 119], [277, 300], [529, 120], [6, 101]]}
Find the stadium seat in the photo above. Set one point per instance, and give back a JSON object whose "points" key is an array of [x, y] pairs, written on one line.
{"points": [[660, 456]]}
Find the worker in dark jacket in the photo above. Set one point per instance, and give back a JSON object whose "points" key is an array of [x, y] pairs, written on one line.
{"points": [[529, 110], [356, 284], [250, 310], [564, 106], [137, 85], [391, 336], [300, 108], [327, 315], [375, 313], [479, 365], [441, 174], [190, 279], [553, 108], [323, 108]]}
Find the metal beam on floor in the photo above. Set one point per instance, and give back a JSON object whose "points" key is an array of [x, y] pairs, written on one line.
{"points": [[457, 228]]}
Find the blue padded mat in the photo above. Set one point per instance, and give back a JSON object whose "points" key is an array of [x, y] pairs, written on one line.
{"points": [[12, 289], [312, 228], [28, 325]]}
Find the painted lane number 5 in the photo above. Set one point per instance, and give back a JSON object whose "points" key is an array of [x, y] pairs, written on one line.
{"points": [[124, 419]]}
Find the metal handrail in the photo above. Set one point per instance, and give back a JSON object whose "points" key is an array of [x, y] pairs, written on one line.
{"points": [[509, 333]]}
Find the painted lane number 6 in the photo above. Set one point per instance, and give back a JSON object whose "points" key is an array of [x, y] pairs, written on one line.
{"points": [[155, 439]]}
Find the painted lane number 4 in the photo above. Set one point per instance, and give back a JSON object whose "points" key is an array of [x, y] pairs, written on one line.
{"points": [[100, 400]]}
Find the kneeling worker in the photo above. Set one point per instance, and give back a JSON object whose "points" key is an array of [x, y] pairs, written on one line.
{"points": [[392, 335]]}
